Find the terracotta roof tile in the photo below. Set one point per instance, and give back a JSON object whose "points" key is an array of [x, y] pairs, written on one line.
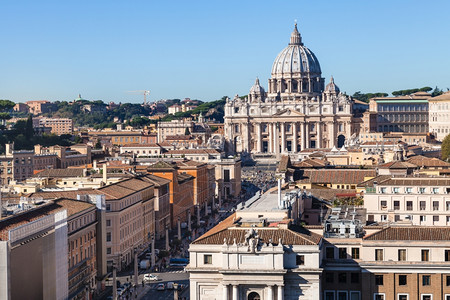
{"points": [[347, 176], [422, 161], [411, 233]]}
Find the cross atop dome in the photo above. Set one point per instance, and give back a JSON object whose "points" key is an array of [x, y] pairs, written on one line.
{"points": [[296, 38]]}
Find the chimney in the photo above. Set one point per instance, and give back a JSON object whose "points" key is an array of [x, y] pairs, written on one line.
{"points": [[105, 176], [279, 193]]}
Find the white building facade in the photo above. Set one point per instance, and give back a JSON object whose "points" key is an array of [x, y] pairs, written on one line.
{"points": [[296, 113]]}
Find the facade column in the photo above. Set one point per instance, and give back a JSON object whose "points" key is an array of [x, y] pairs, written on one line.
{"points": [[307, 135], [319, 135], [294, 137], [269, 126], [277, 139], [259, 138], [225, 292], [280, 295], [283, 138], [332, 135], [302, 126], [270, 292], [235, 292]]}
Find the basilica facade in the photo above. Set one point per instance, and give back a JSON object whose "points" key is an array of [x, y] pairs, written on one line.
{"points": [[297, 112]]}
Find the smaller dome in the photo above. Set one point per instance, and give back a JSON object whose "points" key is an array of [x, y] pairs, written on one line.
{"points": [[257, 88], [332, 87]]}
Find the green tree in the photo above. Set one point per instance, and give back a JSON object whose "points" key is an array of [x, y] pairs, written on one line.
{"points": [[29, 131], [445, 148], [436, 92], [5, 108]]}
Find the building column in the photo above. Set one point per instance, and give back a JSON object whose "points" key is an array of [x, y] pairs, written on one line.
{"points": [[307, 135], [235, 292], [280, 295], [332, 135], [270, 292], [225, 292], [259, 138], [277, 139], [269, 126], [283, 138], [294, 137], [319, 135], [302, 128]]}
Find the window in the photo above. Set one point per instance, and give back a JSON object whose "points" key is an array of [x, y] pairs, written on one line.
{"points": [[226, 175], [423, 218], [435, 219], [425, 255], [383, 190], [396, 190], [108, 207], [355, 253], [207, 259], [422, 190], [426, 280], [342, 295], [383, 204], [354, 277], [401, 254], [108, 250], [329, 295], [409, 205], [342, 277], [108, 223], [447, 280], [378, 254], [435, 205], [402, 296], [108, 236], [447, 205], [408, 190], [435, 191], [342, 253], [402, 279], [379, 279], [447, 255], [330, 253], [423, 205], [426, 297], [377, 296], [300, 260], [329, 277], [397, 205]]}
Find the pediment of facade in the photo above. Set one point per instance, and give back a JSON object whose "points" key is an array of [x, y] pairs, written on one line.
{"points": [[288, 113]]}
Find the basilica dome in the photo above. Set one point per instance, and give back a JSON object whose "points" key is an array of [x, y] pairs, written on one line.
{"points": [[295, 58]]}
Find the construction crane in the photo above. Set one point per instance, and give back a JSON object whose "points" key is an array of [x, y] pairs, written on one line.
{"points": [[145, 93]]}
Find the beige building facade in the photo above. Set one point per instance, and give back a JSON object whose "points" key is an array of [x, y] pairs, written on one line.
{"points": [[296, 113], [439, 109]]}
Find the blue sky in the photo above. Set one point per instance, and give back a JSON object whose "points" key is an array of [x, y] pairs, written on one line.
{"points": [[207, 49]]}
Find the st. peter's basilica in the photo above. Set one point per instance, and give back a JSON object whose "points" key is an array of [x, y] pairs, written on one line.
{"points": [[296, 112]]}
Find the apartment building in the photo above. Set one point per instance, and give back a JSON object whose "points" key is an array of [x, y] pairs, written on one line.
{"points": [[37, 107], [181, 189], [142, 150], [58, 126], [439, 115], [420, 200], [201, 155], [162, 203], [15, 164], [227, 177]]}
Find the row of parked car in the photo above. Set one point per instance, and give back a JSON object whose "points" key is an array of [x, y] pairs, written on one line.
{"points": [[169, 286]]}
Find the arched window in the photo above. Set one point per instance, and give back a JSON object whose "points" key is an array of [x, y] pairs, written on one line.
{"points": [[254, 296]]}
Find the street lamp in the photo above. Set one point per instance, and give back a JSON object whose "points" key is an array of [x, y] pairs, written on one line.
{"points": [[175, 291]]}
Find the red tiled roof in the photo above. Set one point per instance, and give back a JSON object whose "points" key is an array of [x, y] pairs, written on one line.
{"points": [[348, 176], [295, 235], [422, 161], [152, 145], [411, 233], [178, 137]]}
